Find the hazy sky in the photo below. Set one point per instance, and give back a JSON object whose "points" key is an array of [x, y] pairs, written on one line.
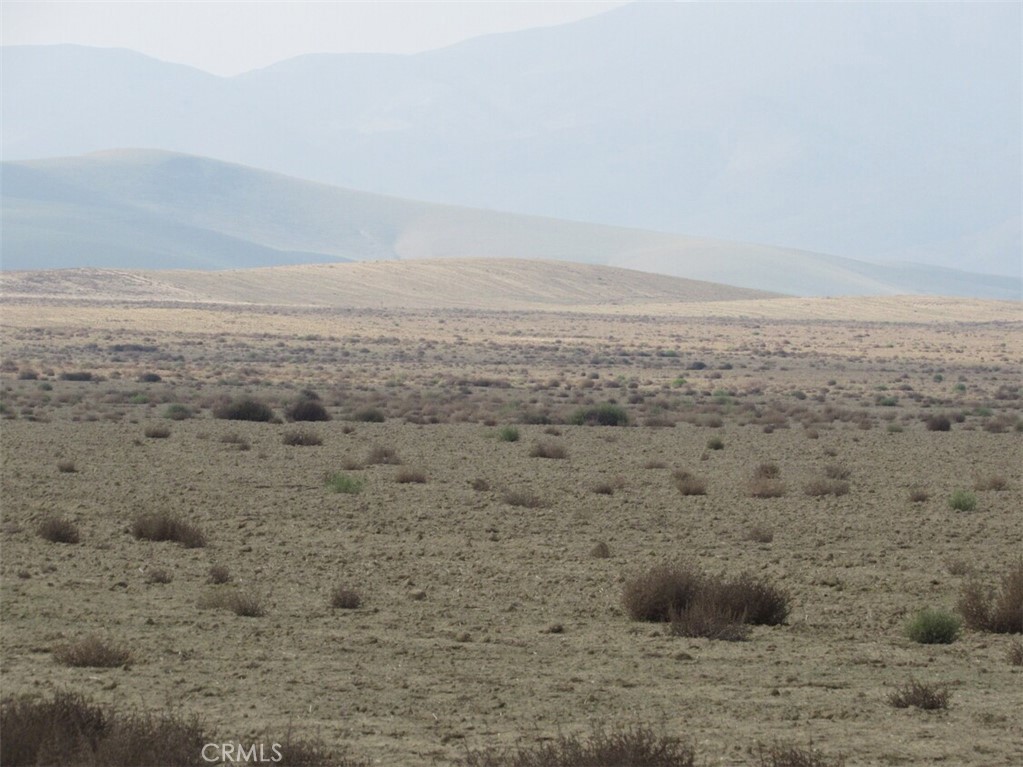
{"points": [[226, 38]]}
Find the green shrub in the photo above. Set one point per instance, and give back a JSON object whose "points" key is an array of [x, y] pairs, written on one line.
{"points": [[933, 627], [369, 415], [343, 483], [963, 500], [715, 443], [606, 414], [244, 409], [508, 434]]}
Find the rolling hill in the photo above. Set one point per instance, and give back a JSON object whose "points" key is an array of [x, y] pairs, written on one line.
{"points": [[889, 132], [147, 209]]}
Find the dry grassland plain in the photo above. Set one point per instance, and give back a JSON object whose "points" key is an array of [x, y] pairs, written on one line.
{"points": [[483, 624]]}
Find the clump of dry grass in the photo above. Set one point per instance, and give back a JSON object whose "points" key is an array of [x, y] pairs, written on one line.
{"points": [[998, 611], [522, 498], [343, 598], [548, 450], [59, 530], [760, 534], [382, 455], [765, 487], [241, 603], [301, 438], [609, 486], [991, 482], [689, 484], [219, 574], [164, 526], [157, 431], [780, 755], [410, 476], [634, 746], [92, 652], [693, 601], [837, 471], [655, 463], [66, 467], [159, 575], [821, 487], [929, 697], [918, 495], [1015, 653], [767, 471]]}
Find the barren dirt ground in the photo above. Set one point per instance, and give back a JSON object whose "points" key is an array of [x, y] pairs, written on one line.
{"points": [[484, 623]]}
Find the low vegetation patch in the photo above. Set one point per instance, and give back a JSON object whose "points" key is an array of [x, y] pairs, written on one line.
{"points": [[66, 467], [219, 574], [780, 755], [369, 415], [765, 487], [999, 610], [307, 409], [177, 412], [157, 432], [410, 477], [548, 450], [508, 434], [244, 409], [242, 603], [522, 498], [301, 438], [73, 731], [344, 483], [607, 414], [760, 534], [92, 652], [991, 482], [933, 627], [715, 443], [689, 484], [159, 575], [635, 746], [695, 602], [344, 598], [820, 487], [929, 697], [962, 500], [163, 526], [918, 495], [59, 530], [382, 455]]}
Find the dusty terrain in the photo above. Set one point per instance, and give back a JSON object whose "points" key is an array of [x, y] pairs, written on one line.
{"points": [[485, 623]]}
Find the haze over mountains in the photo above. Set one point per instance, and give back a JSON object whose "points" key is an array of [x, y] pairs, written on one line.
{"points": [[874, 132], [135, 209]]}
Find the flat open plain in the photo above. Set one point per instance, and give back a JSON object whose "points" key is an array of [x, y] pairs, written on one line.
{"points": [[484, 623]]}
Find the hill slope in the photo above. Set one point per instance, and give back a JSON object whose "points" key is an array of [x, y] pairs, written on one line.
{"points": [[428, 284], [133, 209], [885, 131]]}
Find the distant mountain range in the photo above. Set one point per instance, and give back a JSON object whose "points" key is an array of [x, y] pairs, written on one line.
{"points": [[889, 132], [136, 209]]}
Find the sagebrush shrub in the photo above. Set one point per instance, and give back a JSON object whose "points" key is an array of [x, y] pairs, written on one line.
{"points": [[660, 592], [219, 574], [998, 611], [780, 755], [938, 423], [928, 697], [92, 652], [157, 432], [307, 410], [164, 526], [59, 530], [343, 598], [382, 455], [225, 597], [244, 409], [343, 483], [548, 450], [962, 500], [369, 415], [606, 414], [715, 443], [689, 484], [933, 627], [301, 438], [627, 747], [177, 412], [710, 620], [508, 434]]}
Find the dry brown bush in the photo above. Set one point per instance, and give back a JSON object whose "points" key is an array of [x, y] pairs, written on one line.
{"points": [[1015, 653], [522, 498], [92, 652], [836, 471], [343, 598], [163, 526], [159, 575], [780, 755], [241, 603], [709, 620], [661, 592], [689, 484], [630, 747], [382, 455], [991, 482], [548, 450], [59, 530], [819, 487], [219, 574], [66, 467], [1000, 611], [928, 697], [600, 551], [760, 534], [767, 471], [157, 432], [410, 476], [767, 488], [301, 438], [918, 495]]}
